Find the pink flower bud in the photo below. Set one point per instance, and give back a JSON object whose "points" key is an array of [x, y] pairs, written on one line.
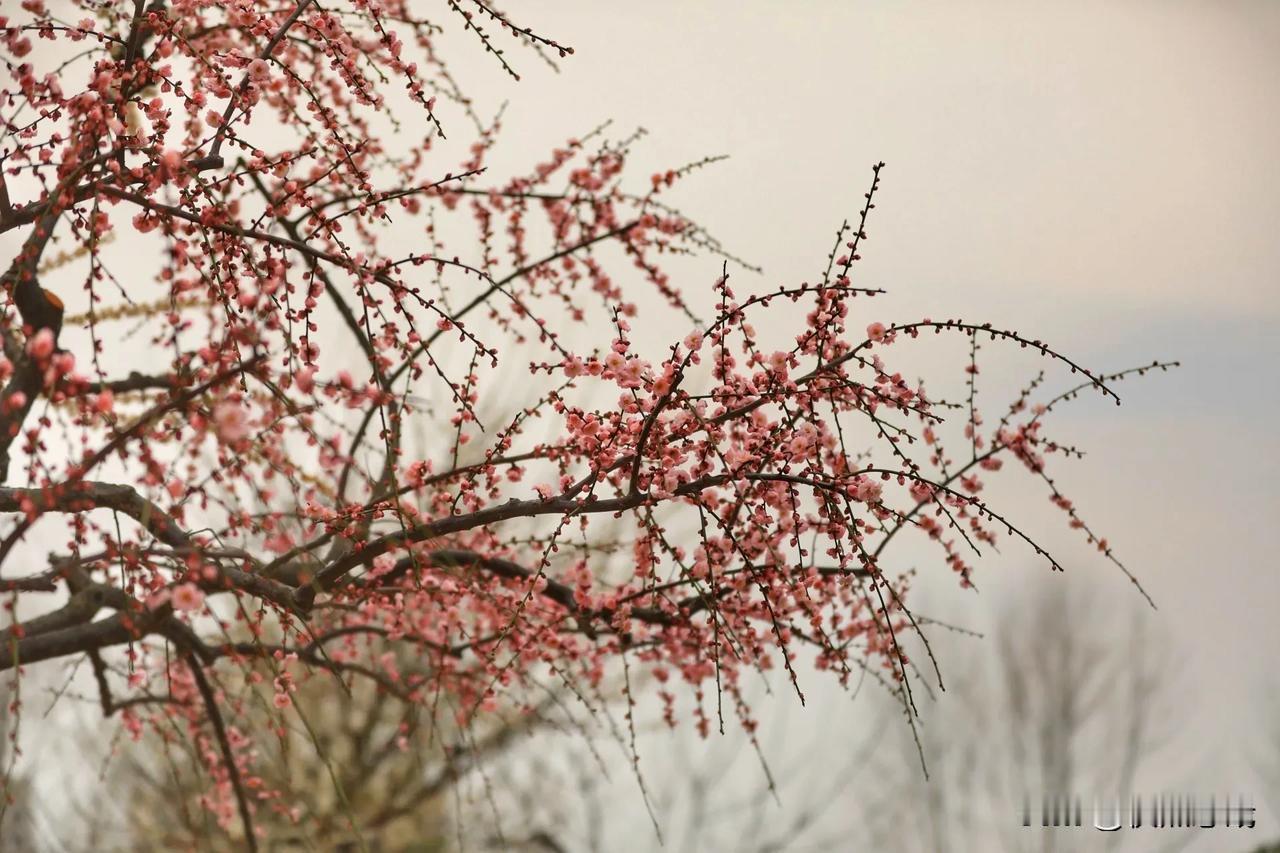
{"points": [[305, 379], [41, 344], [171, 160]]}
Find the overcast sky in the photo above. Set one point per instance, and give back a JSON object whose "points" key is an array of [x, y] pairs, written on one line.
{"points": [[1100, 175]]}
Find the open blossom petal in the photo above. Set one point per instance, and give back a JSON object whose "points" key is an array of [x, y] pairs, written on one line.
{"points": [[186, 596], [231, 420]]}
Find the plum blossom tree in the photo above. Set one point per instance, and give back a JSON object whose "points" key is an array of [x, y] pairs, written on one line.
{"points": [[228, 499]]}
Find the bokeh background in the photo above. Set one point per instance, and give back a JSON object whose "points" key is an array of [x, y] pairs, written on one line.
{"points": [[1101, 176]]}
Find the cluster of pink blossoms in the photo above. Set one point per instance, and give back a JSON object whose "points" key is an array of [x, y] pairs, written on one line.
{"points": [[307, 466]]}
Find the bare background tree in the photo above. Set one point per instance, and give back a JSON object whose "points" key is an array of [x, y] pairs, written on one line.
{"points": [[1071, 695]]}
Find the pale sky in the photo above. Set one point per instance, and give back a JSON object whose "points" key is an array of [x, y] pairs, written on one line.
{"points": [[1100, 175]]}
